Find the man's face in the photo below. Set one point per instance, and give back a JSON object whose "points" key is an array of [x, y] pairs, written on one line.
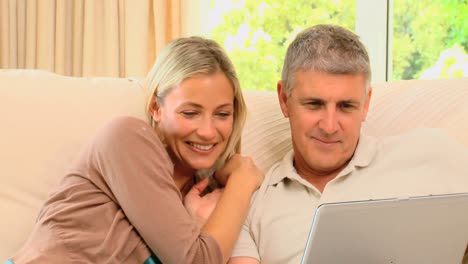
{"points": [[325, 112]]}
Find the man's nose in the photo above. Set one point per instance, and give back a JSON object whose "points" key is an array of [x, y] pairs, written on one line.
{"points": [[329, 122]]}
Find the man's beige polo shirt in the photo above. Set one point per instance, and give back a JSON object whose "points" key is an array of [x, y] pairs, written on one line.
{"points": [[421, 162]]}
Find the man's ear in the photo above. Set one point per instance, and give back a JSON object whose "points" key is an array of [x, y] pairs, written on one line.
{"points": [[367, 103], [282, 97], [154, 109]]}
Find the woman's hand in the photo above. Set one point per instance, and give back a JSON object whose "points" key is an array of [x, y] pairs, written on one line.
{"points": [[201, 206], [243, 170]]}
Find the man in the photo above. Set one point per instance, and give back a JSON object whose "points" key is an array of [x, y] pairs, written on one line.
{"points": [[325, 92]]}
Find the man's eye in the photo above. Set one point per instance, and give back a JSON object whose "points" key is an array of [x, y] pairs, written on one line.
{"points": [[314, 104], [347, 107]]}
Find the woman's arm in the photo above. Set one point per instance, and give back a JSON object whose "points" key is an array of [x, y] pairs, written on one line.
{"points": [[231, 206], [226, 220], [134, 163]]}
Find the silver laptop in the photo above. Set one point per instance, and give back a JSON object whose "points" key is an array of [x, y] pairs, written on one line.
{"points": [[426, 229]]}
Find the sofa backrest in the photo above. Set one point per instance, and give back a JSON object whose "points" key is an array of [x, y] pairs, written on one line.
{"points": [[402, 105], [45, 118]]}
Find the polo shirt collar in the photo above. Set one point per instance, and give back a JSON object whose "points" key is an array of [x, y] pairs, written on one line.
{"points": [[365, 152], [285, 170]]}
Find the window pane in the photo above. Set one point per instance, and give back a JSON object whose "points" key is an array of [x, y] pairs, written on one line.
{"points": [[257, 33], [430, 39]]}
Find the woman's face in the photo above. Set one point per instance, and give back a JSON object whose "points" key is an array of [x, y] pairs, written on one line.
{"points": [[196, 120]]}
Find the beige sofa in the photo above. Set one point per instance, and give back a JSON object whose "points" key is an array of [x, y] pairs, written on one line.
{"points": [[45, 118]]}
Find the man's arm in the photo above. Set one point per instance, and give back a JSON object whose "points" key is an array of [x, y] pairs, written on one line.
{"points": [[245, 251], [243, 260]]}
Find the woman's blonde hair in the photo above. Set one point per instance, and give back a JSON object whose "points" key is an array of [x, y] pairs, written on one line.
{"points": [[184, 58]]}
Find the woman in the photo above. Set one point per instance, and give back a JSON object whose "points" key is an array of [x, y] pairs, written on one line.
{"points": [[133, 192]]}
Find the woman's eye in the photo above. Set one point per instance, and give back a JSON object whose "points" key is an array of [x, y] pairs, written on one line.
{"points": [[224, 114], [189, 113]]}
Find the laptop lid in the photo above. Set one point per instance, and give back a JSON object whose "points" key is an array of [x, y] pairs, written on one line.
{"points": [[426, 229]]}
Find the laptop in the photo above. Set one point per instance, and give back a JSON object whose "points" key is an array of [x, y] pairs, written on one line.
{"points": [[426, 229]]}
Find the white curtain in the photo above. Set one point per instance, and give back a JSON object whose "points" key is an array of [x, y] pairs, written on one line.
{"points": [[116, 38]]}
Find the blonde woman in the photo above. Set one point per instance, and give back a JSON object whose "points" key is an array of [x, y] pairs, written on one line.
{"points": [[134, 194]]}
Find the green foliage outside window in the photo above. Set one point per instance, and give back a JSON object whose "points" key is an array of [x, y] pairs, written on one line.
{"points": [[423, 30], [257, 33], [430, 37]]}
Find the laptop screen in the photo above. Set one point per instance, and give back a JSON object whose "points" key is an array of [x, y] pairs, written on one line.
{"points": [[425, 229]]}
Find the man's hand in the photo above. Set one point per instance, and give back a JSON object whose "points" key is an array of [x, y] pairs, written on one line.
{"points": [[201, 206]]}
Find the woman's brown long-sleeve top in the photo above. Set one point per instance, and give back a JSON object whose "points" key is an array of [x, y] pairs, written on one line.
{"points": [[117, 202]]}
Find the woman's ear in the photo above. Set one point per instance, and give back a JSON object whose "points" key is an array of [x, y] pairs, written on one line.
{"points": [[154, 110]]}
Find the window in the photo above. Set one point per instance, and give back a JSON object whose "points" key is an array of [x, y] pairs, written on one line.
{"points": [[406, 39], [430, 39]]}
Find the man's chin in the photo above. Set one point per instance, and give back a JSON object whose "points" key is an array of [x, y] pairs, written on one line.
{"points": [[328, 164], [331, 167]]}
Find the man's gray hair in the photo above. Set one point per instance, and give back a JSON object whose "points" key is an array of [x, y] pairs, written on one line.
{"points": [[326, 48]]}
